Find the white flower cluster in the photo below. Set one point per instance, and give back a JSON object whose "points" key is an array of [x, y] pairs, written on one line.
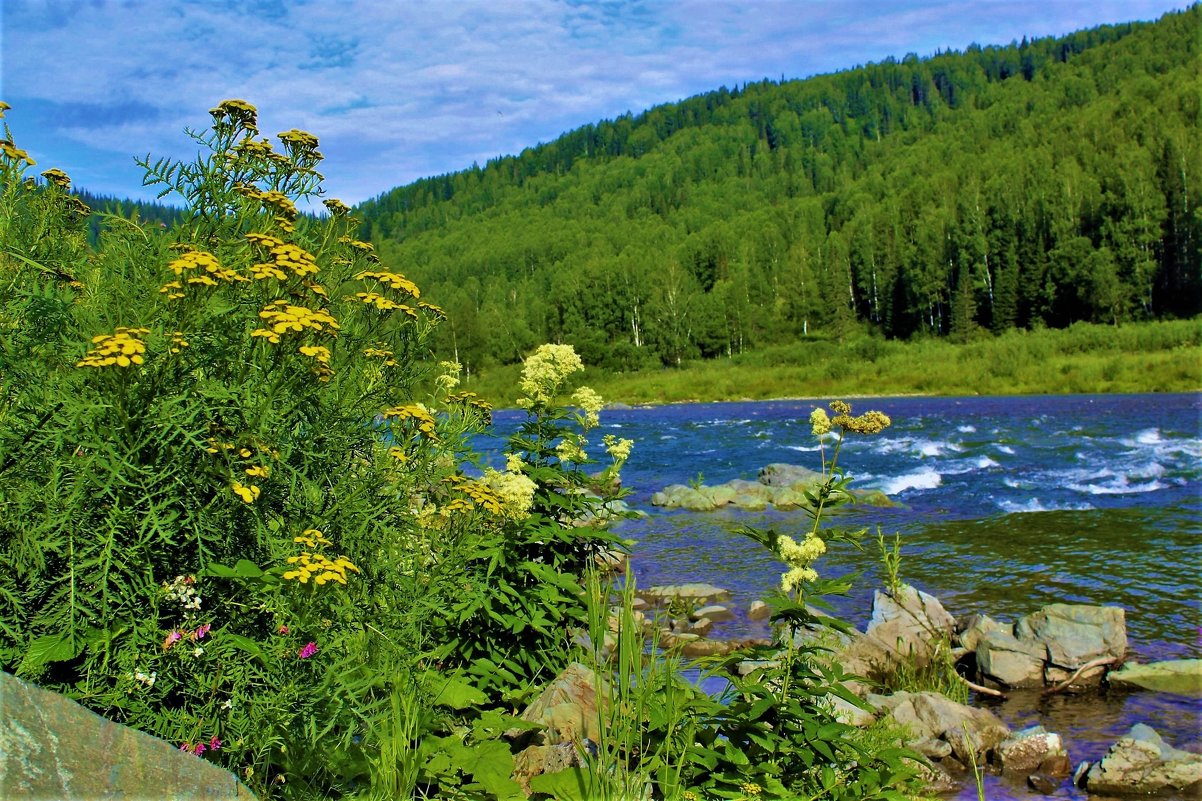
{"points": [[799, 557], [515, 490], [146, 678], [545, 370], [183, 590]]}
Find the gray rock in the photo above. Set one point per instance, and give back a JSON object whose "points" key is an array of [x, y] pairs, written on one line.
{"points": [[566, 709], [759, 611], [971, 733], [789, 475], [701, 626], [848, 713], [1028, 749], [1180, 676], [910, 624], [1141, 762], [715, 612], [1042, 784], [51, 747], [697, 593], [978, 626], [1075, 634], [1007, 660]]}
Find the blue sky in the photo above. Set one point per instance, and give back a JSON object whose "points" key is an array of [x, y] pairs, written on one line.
{"points": [[398, 90]]}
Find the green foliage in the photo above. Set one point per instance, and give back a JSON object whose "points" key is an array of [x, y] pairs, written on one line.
{"points": [[890, 562], [965, 194]]}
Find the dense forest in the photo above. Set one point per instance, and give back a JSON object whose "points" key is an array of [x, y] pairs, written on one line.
{"points": [[1037, 184]]}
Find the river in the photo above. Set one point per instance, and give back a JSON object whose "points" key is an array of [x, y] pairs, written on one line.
{"points": [[1008, 504]]}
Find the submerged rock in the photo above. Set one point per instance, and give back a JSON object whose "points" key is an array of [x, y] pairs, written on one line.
{"points": [[1141, 762], [697, 593], [1180, 676], [780, 485]]}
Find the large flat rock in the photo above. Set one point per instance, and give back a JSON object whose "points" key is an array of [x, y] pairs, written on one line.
{"points": [[1180, 676], [53, 748]]}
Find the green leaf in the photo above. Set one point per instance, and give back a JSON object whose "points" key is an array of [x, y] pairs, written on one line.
{"points": [[490, 763], [453, 691], [564, 785], [59, 647], [245, 644]]}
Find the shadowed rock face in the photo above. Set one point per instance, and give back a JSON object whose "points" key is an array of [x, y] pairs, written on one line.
{"points": [[53, 748]]}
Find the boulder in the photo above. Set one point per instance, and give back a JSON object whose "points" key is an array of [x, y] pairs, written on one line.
{"points": [[535, 760], [51, 747], [1074, 634], [701, 626], [911, 624], [971, 733], [696, 593], [715, 612], [759, 611], [793, 476], [1140, 762], [567, 709], [1029, 749], [1007, 660], [1180, 676]]}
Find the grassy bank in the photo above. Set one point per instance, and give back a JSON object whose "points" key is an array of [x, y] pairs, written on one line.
{"points": [[1144, 357]]}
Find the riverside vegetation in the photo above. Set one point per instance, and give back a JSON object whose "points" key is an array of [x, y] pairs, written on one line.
{"points": [[240, 511]]}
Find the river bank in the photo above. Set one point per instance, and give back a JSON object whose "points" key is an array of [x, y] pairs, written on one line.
{"points": [[1163, 356]]}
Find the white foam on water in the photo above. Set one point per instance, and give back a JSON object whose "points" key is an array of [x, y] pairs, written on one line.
{"points": [[930, 447], [984, 462], [1149, 436], [918, 480], [967, 429], [1120, 486], [1006, 449], [1035, 505], [804, 448]]}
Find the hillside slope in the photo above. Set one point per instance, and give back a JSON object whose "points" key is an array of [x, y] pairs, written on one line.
{"points": [[1036, 184]]}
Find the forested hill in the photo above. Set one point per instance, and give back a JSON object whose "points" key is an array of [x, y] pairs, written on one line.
{"points": [[1042, 183]]}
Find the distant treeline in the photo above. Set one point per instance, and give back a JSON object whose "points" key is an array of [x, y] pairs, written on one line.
{"points": [[138, 209], [1037, 184]]}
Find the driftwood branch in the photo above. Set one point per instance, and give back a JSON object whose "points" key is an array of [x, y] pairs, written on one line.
{"points": [[1093, 663], [979, 688]]}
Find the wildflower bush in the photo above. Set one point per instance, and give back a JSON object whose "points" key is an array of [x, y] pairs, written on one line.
{"points": [[240, 510], [213, 467]]}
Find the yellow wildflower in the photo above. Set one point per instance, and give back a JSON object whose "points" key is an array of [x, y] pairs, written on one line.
{"points": [[248, 493], [337, 207], [591, 404], [258, 471], [820, 423], [235, 113], [14, 153], [57, 177], [390, 280], [121, 348]]}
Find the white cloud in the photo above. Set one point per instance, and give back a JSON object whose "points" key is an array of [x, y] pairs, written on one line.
{"points": [[399, 90]]}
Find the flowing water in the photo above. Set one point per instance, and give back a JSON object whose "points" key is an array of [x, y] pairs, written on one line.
{"points": [[1009, 504]]}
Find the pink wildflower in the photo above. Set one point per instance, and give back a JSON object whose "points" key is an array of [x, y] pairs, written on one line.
{"points": [[186, 747], [172, 638], [283, 629], [214, 743], [200, 633], [199, 749], [308, 650]]}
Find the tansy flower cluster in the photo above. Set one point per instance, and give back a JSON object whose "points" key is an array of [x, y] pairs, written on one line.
{"points": [[57, 177], [382, 303], [420, 415], [15, 154], [321, 355], [472, 401], [235, 113], [200, 267], [544, 371], [380, 353], [283, 317], [122, 348], [390, 280], [286, 258], [362, 247], [316, 565], [479, 495], [336, 207]]}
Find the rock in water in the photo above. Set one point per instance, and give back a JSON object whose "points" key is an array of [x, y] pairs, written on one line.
{"points": [[1029, 749], [51, 747], [911, 624], [1180, 676], [1140, 763]]}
